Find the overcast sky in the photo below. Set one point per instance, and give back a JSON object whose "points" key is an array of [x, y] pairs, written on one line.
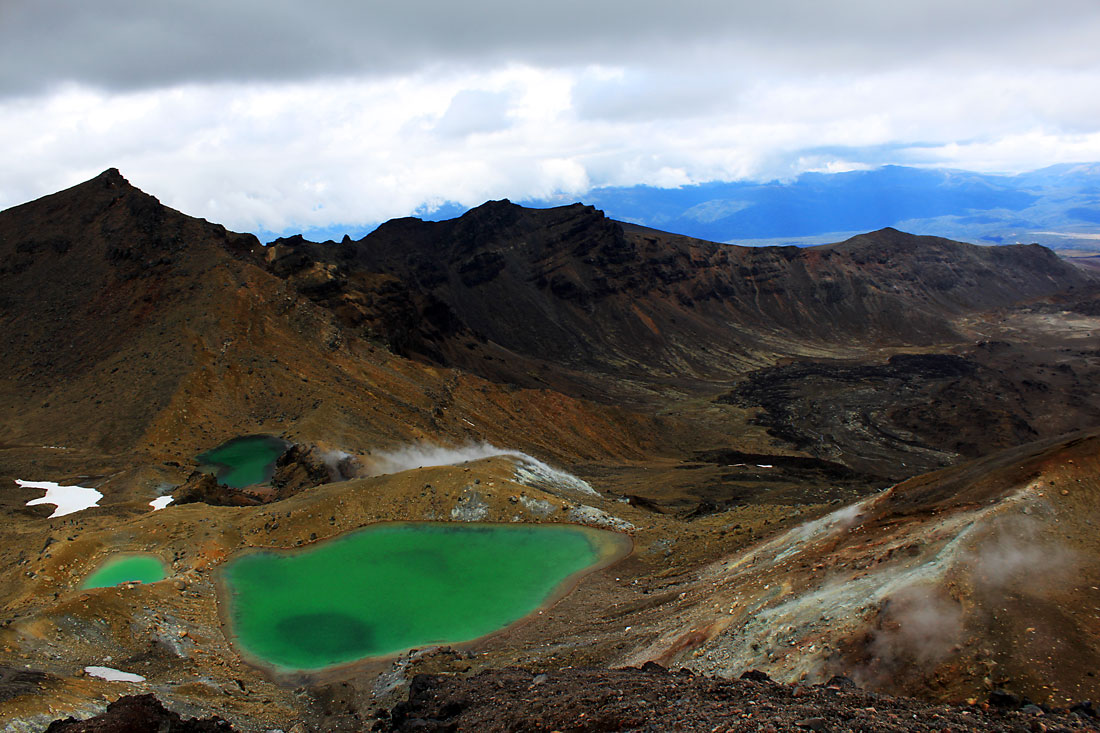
{"points": [[284, 115]]}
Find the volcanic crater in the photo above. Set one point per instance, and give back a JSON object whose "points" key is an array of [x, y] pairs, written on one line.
{"points": [[873, 461]]}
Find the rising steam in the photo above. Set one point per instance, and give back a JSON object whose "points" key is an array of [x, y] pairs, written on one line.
{"points": [[917, 628], [529, 470], [341, 465], [1018, 553], [920, 625]]}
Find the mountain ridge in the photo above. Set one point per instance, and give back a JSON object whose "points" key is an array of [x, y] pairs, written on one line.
{"points": [[128, 324], [739, 412], [559, 267]]}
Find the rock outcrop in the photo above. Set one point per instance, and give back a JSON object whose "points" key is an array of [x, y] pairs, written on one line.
{"points": [[139, 714]]}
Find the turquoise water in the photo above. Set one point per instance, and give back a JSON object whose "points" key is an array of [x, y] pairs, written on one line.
{"points": [[392, 587], [143, 567], [244, 461]]}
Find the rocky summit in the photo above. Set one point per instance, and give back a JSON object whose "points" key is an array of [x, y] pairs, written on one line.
{"points": [[866, 473]]}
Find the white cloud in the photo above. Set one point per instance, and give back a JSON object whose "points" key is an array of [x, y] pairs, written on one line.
{"points": [[1013, 152], [475, 111], [284, 115]]}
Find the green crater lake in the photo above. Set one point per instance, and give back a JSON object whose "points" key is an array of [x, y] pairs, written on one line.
{"points": [[391, 587], [142, 567], [244, 461]]}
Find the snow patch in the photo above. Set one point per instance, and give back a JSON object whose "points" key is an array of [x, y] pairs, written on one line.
{"points": [[160, 502], [113, 675], [67, 499]]}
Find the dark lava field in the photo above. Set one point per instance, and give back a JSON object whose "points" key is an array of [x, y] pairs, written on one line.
{"points": [[864, 473]]}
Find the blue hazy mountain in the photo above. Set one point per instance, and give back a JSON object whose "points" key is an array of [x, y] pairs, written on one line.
{"points": [[1058, 206], [816, 203]]}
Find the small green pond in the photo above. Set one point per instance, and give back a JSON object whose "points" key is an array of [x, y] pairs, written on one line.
{"points": [[244, 461], [395, 586], [125, 568]]}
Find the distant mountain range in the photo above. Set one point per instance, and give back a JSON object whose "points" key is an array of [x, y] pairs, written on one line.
{"points": [[1058, 207]]}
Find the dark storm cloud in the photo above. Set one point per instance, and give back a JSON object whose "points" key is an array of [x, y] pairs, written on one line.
{"points": [[128, 44]]}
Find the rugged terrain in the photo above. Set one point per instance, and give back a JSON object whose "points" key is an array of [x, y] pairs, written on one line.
{"points": [[875, 459], [648, 699], [654, 699], [568, 290]]}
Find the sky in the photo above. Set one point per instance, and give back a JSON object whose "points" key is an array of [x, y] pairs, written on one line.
{"points": [[284, 115]]}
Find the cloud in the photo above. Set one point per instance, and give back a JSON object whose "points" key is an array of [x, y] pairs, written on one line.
{"points": [[475, 111], [282, 157], [120, 44], [636, 95], [281, 116]]}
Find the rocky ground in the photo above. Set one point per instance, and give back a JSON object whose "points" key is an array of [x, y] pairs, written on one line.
{"points": [[654, 699], [649, 699]]}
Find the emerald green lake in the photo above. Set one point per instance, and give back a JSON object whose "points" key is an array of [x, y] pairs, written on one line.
{"points": [[143, 567], [392, 587], [244, 461]]}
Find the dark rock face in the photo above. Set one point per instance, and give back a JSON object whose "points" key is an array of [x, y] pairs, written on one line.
{"points": [[920, 412], [16, 682], [298, 469], [569, 287], [94, 282], [631, 699], [1005, 699], [139, 714], [567, 299], [204, 488]]}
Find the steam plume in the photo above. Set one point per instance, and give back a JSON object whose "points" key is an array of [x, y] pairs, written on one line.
{"points": [[529, 470], [1018, 554]]}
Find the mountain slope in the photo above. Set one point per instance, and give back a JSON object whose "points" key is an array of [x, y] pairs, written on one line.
{"points": [[128, 325], [978, 576], [571, 289], [93, 281]]}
